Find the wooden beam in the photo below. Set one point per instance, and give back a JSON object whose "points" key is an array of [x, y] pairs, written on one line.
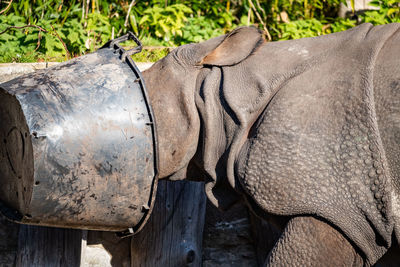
{"points": [[174, 233], [45, 246], [8, 242]]}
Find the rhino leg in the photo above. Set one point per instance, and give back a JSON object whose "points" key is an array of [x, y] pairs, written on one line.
{"points": [[307, 241]]}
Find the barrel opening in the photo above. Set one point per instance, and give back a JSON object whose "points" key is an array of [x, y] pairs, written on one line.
{"points": [[16, 155]]}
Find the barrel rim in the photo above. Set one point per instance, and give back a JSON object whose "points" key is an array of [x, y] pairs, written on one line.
{"points": [[125, 56]]}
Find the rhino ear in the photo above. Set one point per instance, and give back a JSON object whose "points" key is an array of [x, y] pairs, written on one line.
{"points": [[236, 46]]}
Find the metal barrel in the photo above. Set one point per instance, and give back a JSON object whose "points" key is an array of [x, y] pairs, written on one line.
{"points": [[78, 144]]}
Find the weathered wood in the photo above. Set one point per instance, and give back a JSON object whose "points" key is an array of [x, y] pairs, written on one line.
{"points": [[44, 246], [173, 235], [8, 242]]}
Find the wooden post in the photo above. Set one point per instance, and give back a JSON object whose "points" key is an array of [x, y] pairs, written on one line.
{"points": [[8, 242], [174, 233], [45, 246]]}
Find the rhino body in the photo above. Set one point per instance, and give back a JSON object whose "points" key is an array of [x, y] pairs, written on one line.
{"points": [[306, 131]]}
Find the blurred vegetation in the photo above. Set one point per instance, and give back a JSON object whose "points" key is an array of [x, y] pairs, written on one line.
{"points": [[44, 30]]}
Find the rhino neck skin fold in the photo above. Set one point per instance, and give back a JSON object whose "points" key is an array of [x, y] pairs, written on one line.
{"points": [[301, 127]]}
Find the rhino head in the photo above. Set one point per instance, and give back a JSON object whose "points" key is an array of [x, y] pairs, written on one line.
{"points": [[172, 84]]}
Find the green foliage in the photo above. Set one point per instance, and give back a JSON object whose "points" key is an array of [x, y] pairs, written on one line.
{"points": [[99, 30], [388, 12], [199, 29], [301, 28], [84, 26], [75, 36], [343, 24], [166, 22], [10, 41], [308, 9]]}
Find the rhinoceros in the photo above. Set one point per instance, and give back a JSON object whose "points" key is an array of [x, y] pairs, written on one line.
{"points": [[306, 131]]}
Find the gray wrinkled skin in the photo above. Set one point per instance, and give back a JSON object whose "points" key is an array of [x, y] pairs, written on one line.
{"points": [[308, 128]]}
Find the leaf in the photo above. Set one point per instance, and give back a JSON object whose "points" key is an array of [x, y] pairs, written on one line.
{"points": [[376, 3], [392, 11], [133, 23], [353, 9]]}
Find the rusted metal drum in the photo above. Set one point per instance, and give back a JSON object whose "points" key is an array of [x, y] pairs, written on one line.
{"points": [[78, 144]]}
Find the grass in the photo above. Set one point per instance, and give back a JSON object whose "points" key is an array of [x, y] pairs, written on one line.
{"points": [[150, 54]]}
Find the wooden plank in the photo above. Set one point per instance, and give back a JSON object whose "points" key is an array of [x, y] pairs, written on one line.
{"points": [[45, 246], [173, 235], [8, 242]]}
